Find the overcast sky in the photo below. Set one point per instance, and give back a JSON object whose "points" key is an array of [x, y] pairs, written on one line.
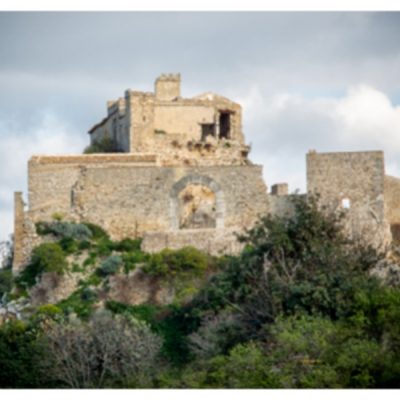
{"points": [[323, 81]]}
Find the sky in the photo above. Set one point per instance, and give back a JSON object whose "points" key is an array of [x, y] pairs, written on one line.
{"points": [[327, 81]]}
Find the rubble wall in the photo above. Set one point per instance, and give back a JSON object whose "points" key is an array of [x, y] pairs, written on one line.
{"points": [[352, 183]]}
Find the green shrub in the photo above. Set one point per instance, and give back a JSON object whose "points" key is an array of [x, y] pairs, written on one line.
{"points": [[93, 280], [46, 314], [132, 258], [104, 247], [47, 257], [77, 268], [91, 260], [19, 356], [97, 231], [245, 367], [104, 145], [63, 230], [6, 281], [170, 263], [88, 294], [128, 245], [69, 245], [84, 245], [110, 266], [79, 302], [144, 312]]}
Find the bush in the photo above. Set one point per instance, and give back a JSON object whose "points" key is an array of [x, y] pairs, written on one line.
{"points": [[88, 294], [110, 266], [47, 257], [106, 351], [6, 281], [244, 367], [104, 145], [69, 245], [216, 335], [132, 258], [97, 231], [80, 302], [45, 315], [19, 356], [170, 263], [84, 245], [128, 245], [302, 262], [64, 230], [104, 247]]}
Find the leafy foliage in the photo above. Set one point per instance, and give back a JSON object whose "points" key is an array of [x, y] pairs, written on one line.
{"points": [[64, 230], [6, 281], [298, 308], [47, 257], [110, 265], [19, 356], [97, 231], [105, 145], [176, 262], [80, 302]]}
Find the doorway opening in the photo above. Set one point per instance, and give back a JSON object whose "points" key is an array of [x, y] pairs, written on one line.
{"points": [[225, 125]]}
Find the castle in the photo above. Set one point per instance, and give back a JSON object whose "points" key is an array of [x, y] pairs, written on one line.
{"points": [[180, 175]]}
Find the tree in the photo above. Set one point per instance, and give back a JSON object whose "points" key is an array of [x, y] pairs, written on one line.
{"points": [[301, 262], [106, 351]]}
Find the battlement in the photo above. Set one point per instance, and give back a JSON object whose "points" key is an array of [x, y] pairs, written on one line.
{"points": [[168, 87], [169, 77]]}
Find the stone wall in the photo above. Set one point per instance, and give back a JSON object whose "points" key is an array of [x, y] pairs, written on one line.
{"points": [[213, 241], [129, 198], [130, 195], [115, 126], [25, 237], [392, 205], [352, 182], [281, 206]]}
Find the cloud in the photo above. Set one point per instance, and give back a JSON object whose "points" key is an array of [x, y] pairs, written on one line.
{"points": [[284, 127], [51, 135]]}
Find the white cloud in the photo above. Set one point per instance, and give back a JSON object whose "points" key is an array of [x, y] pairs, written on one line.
{"points": [[284, 126], [50, 136]]}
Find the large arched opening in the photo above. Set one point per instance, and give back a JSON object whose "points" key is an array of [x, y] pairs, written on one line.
{"points": [[197, 203]]}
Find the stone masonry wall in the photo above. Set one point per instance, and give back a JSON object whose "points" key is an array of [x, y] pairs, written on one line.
{"points": [[25, 237], [130, 195], [352, 182], [392, 205]]}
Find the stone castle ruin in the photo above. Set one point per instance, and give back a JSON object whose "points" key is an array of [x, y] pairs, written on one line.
{"points": [[179, 175]]}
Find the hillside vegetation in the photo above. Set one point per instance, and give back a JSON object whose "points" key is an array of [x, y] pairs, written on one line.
{"points": [[300, 307]]}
